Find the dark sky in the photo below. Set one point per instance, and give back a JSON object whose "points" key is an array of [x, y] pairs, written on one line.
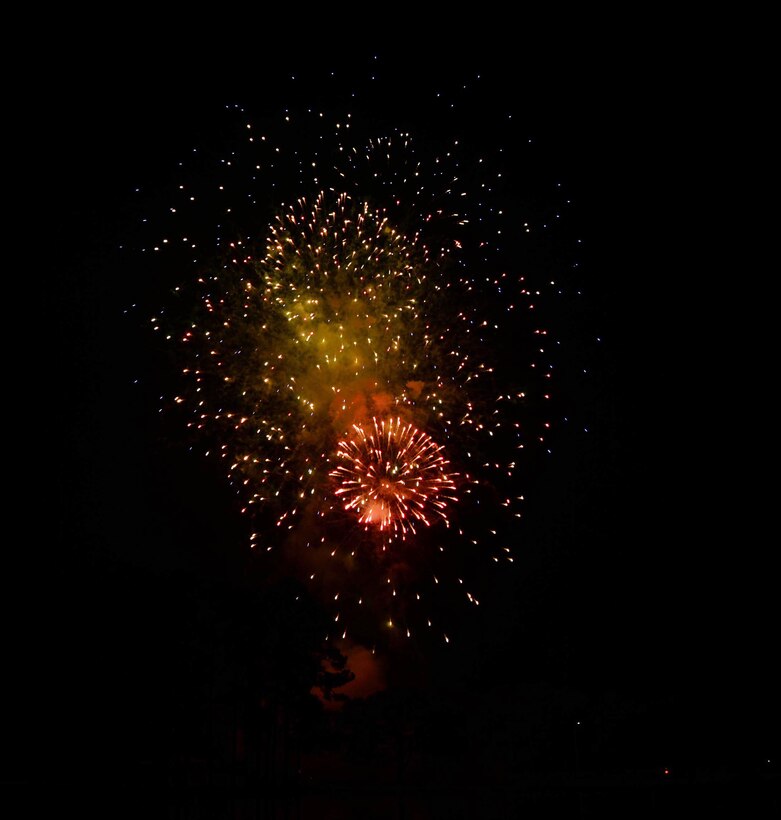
{"points": [[642, 581]]}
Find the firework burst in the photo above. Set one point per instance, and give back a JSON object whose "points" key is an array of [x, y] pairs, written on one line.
{"points": [[393, 476], [368, 367]]}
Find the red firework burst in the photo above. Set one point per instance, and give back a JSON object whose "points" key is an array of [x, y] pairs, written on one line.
{"points": [[393, 476]]}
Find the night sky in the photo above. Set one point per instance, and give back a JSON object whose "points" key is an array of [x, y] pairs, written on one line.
{"points": [[637, 617]]}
